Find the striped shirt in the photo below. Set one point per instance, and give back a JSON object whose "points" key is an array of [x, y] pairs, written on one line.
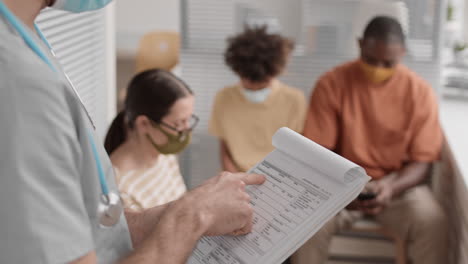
{"points": [[145, 188]]}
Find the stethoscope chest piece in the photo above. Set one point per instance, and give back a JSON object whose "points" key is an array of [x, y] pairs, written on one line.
{"points": [[109, 210]]}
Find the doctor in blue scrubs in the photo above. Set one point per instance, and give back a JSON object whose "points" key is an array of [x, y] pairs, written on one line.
{"points": [[58, 199]]}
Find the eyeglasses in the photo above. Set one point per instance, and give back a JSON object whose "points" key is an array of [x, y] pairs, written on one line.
{"points": [[181, 128]]}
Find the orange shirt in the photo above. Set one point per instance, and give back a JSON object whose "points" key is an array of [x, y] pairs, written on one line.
{"points": [[378, 126]]}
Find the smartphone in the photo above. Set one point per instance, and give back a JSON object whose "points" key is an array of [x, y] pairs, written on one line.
{"points": [[366, 196]]}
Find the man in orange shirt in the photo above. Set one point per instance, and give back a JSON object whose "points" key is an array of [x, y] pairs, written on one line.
{"points": [[381, 115]]}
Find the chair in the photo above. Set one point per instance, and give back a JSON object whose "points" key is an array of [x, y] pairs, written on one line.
{"points": [[158, 50], [370, 230]]}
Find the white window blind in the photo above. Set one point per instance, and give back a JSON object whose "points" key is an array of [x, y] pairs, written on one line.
{"points": [[81, 43]]}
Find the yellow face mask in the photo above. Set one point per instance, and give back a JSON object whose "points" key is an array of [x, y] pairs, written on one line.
{"points": [[376, 74]]}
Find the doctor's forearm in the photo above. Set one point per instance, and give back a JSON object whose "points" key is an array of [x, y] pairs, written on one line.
{"points": [[173, 238], [141, 224]]}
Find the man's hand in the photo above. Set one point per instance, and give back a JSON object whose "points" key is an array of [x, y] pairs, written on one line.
{"points": [[392, 185], [224, 204], [384, 194]]}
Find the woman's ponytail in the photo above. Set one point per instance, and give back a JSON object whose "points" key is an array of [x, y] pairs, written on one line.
{"points": [[117, 133]]}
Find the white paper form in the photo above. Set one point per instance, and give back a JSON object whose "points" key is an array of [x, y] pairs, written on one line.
{"points": [[306, 186]]}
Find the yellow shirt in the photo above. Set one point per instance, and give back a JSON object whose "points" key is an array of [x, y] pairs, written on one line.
{"points": [[145, 188], [247, 128]]}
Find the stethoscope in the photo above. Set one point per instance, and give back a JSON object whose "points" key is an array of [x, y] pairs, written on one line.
{"points": [[109, 209]]}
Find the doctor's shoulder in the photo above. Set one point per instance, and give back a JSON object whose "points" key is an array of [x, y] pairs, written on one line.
{"points": [[24, 69]]}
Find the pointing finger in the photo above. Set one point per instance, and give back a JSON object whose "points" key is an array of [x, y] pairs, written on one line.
{"points": [[253, 179]]}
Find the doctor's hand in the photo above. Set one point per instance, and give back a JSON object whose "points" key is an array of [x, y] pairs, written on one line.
{"points": [[224, 204], [220, 206]]}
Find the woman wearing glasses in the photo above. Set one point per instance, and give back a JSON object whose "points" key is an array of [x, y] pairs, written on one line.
{"points": [[143, 140]]}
